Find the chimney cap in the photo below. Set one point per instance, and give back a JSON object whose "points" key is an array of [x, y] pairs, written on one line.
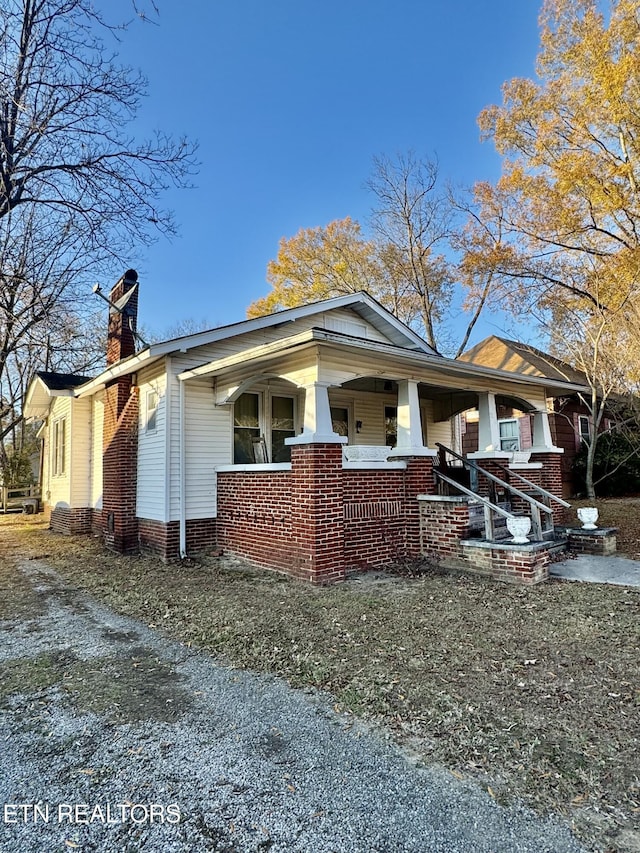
{"points": [[130, 277]]}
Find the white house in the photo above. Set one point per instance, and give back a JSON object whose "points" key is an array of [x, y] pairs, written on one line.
{"points": [[300, 440]]}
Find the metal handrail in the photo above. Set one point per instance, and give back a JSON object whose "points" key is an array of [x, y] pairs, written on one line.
{"points": [[511, 473], [485, 501], [489, 507]]}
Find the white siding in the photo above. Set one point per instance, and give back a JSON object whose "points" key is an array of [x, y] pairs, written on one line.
{"points": [[208, 443], [152, 458], [57, 489], [80, 455], [437, 431], [349, 323], [367, 408], [97, 427]]}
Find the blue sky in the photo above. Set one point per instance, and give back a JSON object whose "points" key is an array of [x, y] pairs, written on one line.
{"points": [[289, 101]]}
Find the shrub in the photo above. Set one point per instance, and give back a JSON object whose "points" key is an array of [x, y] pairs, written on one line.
{"points": [[613, 449]]}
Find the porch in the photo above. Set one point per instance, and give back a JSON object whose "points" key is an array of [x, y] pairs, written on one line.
{"points": [[334, 441]]}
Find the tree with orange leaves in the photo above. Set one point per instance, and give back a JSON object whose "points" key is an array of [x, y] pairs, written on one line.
{"points": [[560, 231]]}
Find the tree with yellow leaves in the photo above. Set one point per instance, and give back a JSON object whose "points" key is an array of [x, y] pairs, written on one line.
{"points": [[318, 263], [568, 200], [560, 231]]}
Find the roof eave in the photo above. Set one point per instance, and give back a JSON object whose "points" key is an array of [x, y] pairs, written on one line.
{"points": [[304, 339]]}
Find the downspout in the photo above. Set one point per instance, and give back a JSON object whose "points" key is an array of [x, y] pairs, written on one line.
{"points": [[183, 474]]}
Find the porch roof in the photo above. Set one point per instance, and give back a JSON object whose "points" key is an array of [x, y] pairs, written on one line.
{"points": [[434, 370]]}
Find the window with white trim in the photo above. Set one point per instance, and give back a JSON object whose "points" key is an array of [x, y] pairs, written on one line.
{"points": [[282, 426], [246, 427], [152, 411], [509, 434], [59, 447], [261, 423]]}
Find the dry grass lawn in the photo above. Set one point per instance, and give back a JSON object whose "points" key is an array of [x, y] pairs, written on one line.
{"points": [[533, 692]]}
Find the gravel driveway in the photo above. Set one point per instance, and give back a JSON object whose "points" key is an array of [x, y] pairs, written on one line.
{"points": [[115, 739]]}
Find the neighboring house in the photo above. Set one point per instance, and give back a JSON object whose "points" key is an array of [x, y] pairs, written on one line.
{"points": [[569, 418], [300, 440]]}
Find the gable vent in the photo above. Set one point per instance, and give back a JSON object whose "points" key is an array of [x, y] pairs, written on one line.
{"points": [[345, 327]]}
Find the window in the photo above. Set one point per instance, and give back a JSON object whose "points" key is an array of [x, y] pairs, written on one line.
{"points": [[58, 449], [152, 411], [261, 424], [584, 428], [340, 420], [391, 425], [282, 426], [246, 427], [509, 434]]}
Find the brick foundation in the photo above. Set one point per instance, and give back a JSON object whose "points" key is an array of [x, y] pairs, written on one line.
{"points": [[156, 537], [71, 521], [316, 521]]}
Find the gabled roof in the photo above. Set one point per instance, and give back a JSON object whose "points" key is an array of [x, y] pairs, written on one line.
{"points": [[371, 311], [525, 359], [44, 386], [361, 303], [61, 381]]}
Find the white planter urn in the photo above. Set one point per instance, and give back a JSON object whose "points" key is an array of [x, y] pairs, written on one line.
{"points": [[519, 527], [588, 515]]}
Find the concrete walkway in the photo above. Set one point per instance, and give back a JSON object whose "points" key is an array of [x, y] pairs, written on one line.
{"points": [[590, 569]]}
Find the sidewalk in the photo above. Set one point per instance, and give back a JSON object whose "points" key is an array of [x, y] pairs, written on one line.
{"points": [[591, 569]]}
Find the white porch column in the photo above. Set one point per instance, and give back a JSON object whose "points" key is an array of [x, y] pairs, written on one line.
{"points": [[409, 422], [318, 428], [542, 440], [488, 429]]}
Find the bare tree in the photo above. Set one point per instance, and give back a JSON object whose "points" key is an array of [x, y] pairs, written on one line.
{"points": [[78, 195], [412, 221]]}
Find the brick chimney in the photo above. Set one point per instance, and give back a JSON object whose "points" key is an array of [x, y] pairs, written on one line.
{"points": [[123, 318], [120, 429]]}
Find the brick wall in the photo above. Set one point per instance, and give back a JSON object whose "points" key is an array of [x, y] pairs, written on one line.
{"points": [[318, 521], [443, 524], [601, 542], [489, 488], [374, 517], [419, 480], [524, 566], [156, 537], [119, 465], [518, 505], [254, 517], [70, 520], [317, 513], [551, 479]]}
